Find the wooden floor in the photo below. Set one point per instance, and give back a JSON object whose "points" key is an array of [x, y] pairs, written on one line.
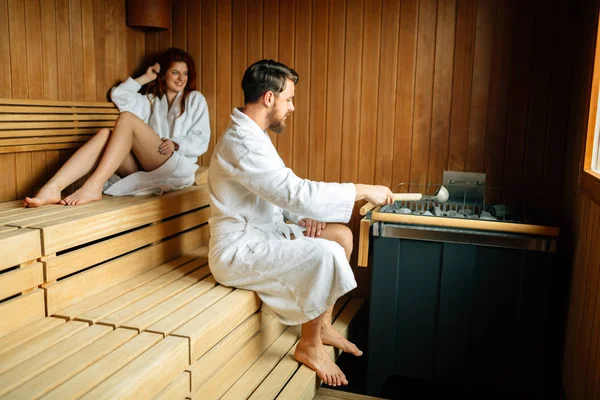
{"points": [[330, 394]]}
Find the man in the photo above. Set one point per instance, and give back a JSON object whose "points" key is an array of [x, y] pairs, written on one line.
{"points": [[251, 247]]}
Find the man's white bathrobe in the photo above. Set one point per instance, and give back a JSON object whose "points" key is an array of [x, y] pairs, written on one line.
{"points": [[191, 131], [250, 246]]}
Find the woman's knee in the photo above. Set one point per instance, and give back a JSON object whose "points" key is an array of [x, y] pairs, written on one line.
{"points": [[343, 236], [103, 133], [127, 117]]}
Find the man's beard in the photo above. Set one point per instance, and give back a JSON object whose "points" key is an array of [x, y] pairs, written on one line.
{"points": [[274, 125]]}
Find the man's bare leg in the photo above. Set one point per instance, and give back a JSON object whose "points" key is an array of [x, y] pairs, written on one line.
{"points": [[81, 163], [343, 236], [311, 352], [131, 134]]}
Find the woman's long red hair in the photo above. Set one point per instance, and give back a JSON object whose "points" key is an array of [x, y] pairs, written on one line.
{"points": [[158, 88]]}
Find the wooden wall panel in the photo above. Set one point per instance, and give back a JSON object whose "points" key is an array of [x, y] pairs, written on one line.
{"points": [[60, 50]]}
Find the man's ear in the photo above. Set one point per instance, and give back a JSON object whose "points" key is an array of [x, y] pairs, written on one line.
{"points": [[269, 99]]}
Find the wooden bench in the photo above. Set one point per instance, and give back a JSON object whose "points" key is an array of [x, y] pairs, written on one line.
{"points": [[114, 299]]}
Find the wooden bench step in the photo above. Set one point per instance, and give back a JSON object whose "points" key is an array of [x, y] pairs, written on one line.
{"points": [[21, 311], [330, 394], [17, 338], [178, 389]]}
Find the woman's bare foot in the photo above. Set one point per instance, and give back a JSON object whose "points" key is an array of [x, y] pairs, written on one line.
{"points": [[85, 194], [317, 359], [48, 194], [332, 337]]}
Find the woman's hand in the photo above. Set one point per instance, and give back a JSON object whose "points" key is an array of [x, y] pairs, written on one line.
{"points": [[313, 228], [167, 147], [152, 72]]}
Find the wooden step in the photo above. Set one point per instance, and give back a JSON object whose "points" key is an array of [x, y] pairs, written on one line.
{"points": [[21, 311], [330, 394]]}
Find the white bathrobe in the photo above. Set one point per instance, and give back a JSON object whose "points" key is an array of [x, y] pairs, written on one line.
{"points": [[191, 131], [250, 244]]}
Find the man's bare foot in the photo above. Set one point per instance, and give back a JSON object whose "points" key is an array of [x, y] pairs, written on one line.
{"points": [[317, 359], [48, 194], [332, 337], [85, 194]]}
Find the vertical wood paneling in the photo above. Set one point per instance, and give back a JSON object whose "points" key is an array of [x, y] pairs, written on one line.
{"points": [[49, 50], [461, 87], [88, 68], [223, 66], [238, 53], [407, 60], [386, 121], [442, 90], [369, 90], [352, 91], [180, 25], [209, 71], [482, 61], [63, 49], [286, 56], [123, 47], [419, 168], [255, 29], [194, 43], [335, 90], [18, 49], [303, 29], [110, 47], [270, 38], [23, 175], [5, 78], [33, 36], [8, 186], [318, 90], [100, 50], [83, 76]]}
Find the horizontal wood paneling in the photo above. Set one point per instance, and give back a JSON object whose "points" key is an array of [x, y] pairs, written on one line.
{"points": [[60, 50]]}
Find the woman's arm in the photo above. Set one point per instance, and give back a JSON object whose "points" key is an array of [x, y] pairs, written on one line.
{"points": [[194, 142], [126, 96]]}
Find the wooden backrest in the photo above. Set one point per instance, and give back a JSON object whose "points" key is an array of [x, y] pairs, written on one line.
{"points": [[34, 125]]}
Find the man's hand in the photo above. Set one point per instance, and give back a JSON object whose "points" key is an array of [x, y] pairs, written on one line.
{"points": [[313, 228], [167, 147]]}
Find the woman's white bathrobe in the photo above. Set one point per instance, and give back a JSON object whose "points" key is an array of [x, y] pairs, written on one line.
{"points": [[250, 244], [191, 131]]}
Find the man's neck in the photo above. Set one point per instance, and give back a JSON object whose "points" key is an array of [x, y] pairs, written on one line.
{"points": [[257, 114]]}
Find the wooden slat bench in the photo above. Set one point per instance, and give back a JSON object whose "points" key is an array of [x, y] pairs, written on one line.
{"points": [[114, 299]]}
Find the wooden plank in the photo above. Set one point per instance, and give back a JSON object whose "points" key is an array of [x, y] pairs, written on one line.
{"points": [[49, 125], [96, 314], [179, 27], [203, 370], [388, 70], [43, 141], [43, 147], [209, 69], [49, 49], [352, 91], [302, 65], [363, 242], [324, 393], [99, 31], [461, 87], [194, 42], [20, 216], [335, 91], [37, 345], [38, 168], [48, 358], [19, 246], [77, 55], [29, 332], [205, 330], [54, 234], [33, 36], [8, 188], [255, 375], [62, 371], [18, 49], [79, 287], [148, 374], [120, 289], [178, 389], [223, 65], [90, 377], [178, 318], [5, 79], [270, 36], [21, 279], [88, 44], [243, 359], [63, 47], [58, 117], [166, 308], [133, 310], [46, 132], [111, 46], [23, 176], [370, 95], [442, 90], [21, 311], [305, 379], [56, 103], [469, 224], [318, 90], [285, 55], [254, 44], [105, 250]]}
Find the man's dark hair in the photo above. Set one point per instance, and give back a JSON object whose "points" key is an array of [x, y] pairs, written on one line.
{"points": [[264, 76]]}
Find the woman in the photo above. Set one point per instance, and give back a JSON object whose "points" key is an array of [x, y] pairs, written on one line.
{"points": [[154, 145]]}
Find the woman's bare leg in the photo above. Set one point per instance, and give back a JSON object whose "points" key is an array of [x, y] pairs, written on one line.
{"points": [[131, 134], [311, 352], [343, 236], [80, 164]]}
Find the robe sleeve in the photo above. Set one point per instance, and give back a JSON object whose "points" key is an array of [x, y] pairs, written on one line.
{"points": [[195, 141], [126, 98], [259, 170]]}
